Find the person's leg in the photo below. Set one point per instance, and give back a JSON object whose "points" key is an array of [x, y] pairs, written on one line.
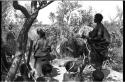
{"points": [[38, 67], [43, 63]]}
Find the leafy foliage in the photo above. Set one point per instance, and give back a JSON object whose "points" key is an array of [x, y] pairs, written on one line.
{"points": [[116, 46], [67, 22]]}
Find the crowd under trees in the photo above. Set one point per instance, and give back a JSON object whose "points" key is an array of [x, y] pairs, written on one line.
{"points": [[16, 45]]}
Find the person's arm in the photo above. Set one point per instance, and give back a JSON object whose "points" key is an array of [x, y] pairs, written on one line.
{"points": [[97, 35], [36, 46]]}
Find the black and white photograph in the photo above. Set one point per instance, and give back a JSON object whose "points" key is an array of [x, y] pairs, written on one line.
{"points": [[62, 41]]}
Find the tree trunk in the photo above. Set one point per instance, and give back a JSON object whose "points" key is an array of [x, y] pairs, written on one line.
{"points": [[21, 43], [22, 38]]}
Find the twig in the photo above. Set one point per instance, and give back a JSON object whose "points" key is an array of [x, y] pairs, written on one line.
{"points": [[41, 7]]}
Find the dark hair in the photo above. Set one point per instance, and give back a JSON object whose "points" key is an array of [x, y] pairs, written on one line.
{"points": [[41, 33], [98, 75], [98, 17], [46, 68]]}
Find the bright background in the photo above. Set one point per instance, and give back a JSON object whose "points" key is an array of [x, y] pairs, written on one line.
{"points": [[106, 8]]}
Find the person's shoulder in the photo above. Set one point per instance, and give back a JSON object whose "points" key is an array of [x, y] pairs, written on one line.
{"points": [[103, 26]]}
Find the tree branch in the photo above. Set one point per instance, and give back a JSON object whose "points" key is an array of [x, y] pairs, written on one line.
{"points": [[21, 8], [41, 7], [34, 4]]}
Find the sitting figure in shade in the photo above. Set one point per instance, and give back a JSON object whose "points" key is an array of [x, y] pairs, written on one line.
{"points": [[73, 69], [25, 71], [47, 71], [98, 76]]}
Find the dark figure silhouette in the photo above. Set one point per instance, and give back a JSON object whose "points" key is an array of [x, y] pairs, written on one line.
{"points": [[99, 40], [10, 43], [46, 70], [98, 76], [8, 48], [74, 70], [24, 70]]}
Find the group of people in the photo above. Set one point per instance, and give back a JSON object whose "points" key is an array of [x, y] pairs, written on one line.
{"points": [[98, 40]]}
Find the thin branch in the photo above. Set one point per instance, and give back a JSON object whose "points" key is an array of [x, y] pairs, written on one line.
{"points": [[34, 4], [21, 8], [41, 7]]}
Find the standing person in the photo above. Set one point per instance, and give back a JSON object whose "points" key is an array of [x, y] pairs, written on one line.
{"points": [[99, 40], [42, 52], [10, 42]]}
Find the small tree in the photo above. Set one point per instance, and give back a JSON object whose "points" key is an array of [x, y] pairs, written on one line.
{"points": [[52, 17]]}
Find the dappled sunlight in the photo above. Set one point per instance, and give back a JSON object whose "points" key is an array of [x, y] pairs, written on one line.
{"points": [[58, 41]]}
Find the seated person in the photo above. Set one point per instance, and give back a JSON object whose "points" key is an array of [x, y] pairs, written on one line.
{"points": [[98, 76], [24, 70], [46, 70], [72, 72]]}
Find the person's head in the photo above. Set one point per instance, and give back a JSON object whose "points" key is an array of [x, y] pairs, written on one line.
{"points": [[98, 75], [41, 33], [46, 69], [98, 18]]}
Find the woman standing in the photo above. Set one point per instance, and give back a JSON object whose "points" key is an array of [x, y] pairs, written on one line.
{"points": [[99, 40], [42, 52]]}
